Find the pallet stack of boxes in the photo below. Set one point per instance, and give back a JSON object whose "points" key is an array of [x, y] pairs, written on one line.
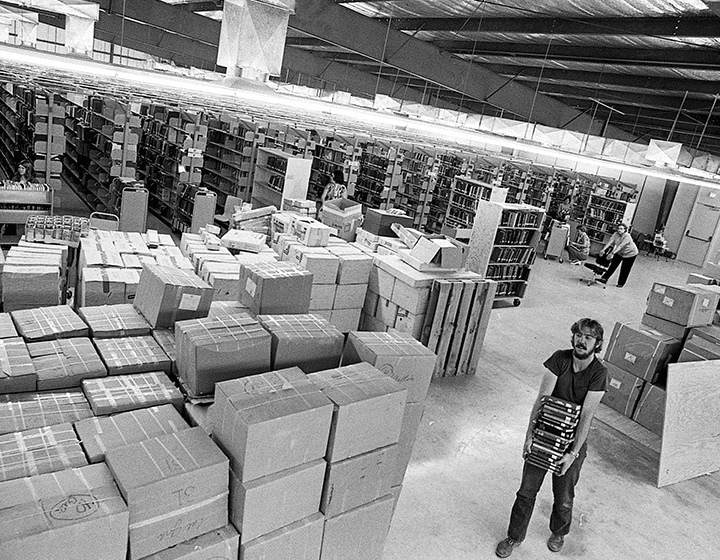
{"points": [[34, 274], [638, 354]]}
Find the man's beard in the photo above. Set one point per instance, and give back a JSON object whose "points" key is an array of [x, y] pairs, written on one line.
{"points": [[581, 354]]}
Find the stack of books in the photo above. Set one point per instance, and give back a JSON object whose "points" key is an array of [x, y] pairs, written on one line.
{"points": [[554, 433]]}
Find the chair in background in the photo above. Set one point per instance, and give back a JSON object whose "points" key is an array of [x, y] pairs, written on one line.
{"points": [[223, 220]]}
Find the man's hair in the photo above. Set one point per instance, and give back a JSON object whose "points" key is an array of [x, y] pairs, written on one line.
{"points": [[591, 325]]}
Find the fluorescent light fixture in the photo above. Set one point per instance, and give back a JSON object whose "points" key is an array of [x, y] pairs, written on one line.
{"points": [[434, 130]]}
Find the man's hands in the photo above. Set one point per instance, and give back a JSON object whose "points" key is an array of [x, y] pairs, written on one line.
{"points": [[567, 460], [528, 446]]}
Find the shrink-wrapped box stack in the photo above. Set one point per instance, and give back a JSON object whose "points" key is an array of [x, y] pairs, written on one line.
{"points": [[120, 393], [112, 321], [132, 354], [49, 323]]}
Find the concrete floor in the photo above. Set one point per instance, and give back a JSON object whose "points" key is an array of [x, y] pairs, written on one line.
{"points": [[466, 465]]}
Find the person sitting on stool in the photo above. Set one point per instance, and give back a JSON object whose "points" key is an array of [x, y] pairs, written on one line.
{"points": [[579, 250]]}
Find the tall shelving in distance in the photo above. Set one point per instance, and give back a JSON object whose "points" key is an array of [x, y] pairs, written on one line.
{"points": [[449, 165], [378, 175], [503, 244], [609, 204], [418, 173]]}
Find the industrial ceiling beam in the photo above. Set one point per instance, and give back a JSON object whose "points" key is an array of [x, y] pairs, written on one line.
{"points": [[355, 32], [698, 26], [593, 79], [691, 58]]}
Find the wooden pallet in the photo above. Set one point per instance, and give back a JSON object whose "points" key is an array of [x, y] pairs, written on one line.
{"points": [[456, 322]]}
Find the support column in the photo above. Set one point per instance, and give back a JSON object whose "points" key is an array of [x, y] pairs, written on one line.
{"points": [[252, 37]]}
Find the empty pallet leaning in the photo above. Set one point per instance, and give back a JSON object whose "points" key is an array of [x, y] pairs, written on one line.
{"points": [[456, 322]]}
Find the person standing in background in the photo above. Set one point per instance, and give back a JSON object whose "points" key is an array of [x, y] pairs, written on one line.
{"points": [[623, 252]]}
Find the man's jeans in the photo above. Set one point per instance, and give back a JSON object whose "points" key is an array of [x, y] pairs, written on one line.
{"points": [[563, 492]]}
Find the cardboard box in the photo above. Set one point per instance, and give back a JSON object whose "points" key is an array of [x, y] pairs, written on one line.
{"points": [[345, 320], [24, 411], [668, 327], [263, 505], [368, 409], [166, 339], [358, 480], [26, 287], [106, 286], [166, 295], [76, 513], [354, 268], [17, 371], [120, 393], [409, 323], [710, 333], [176, 488], [378, 222], [694, 278], [430, 254], [132, 354], [350, 296], [701, 346], [310, 232], [243, 240], [689, 305], [344, 215], [300, 540], [412, 418], [270, 422], [49, 323], [322, 296], [99, 434], [7, 327], [213, 350], [224, 308], [396, 355], [358, 534], [112, 321], [273, 288], [689, 356], [650, 411], [220, 544], [624, 390], [38, 451], [307, 341], [65, 362], [640, 350], [324, 266]]}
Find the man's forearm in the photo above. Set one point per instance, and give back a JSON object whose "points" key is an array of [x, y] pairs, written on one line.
{"points": [[583, 430]]}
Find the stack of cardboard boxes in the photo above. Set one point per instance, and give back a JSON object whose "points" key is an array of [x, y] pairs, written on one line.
{"points": [[637, 354], [34, 275], [274, 427], [357, 500]]}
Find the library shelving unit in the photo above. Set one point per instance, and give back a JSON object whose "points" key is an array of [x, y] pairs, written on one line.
{"points": [[279, 175], [102, 136], [334, 153], [380, 167], [418, 172], [229, 157], [449, 165], [526, 183], [503, 243], [170, 157], [15, 134], [464, 196], [610, 203], [49, 138]]}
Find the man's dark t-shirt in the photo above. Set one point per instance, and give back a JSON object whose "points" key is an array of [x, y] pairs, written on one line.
{"points": [[571, 386]]}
